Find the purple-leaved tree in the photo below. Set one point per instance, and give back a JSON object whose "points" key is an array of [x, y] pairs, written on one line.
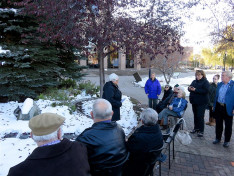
{"points": [[108, 25]]}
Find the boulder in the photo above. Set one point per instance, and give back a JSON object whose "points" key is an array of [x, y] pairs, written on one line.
{"points": [[28, 110]]}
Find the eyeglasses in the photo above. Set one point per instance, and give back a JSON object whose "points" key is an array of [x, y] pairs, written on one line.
{"points": [[166, 87]]}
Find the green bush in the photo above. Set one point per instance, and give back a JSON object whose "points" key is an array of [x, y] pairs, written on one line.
{"points": [[90, 88], [67, 83]]}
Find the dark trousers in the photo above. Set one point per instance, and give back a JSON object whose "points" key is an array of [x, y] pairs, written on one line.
{"points": [[220, 116], [199, 112], [211, 113], [153, 103]]}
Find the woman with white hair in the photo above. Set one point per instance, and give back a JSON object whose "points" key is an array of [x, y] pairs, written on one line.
{"points": [[146, 138], [112, 93]]}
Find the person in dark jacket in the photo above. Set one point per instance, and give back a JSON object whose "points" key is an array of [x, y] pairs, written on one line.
{"points": [[105, 142], [164, 103], [146, 138], [112, 93], [212, 91], [152, 90], [224, 108], [167, 92], [198, 97], [54, 155]]}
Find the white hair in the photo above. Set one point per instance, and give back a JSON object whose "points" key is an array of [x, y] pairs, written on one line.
{"points": [[228, 73], [113, 77], [149, 117], [47, 137], [181, 88], [102, 109]]}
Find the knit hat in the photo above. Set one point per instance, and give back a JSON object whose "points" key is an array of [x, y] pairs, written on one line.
{"points": [[45, 123], [177, 85]]}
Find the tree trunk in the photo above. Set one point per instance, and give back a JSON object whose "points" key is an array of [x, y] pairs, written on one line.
{"points": [[101, 72], [165, 77]]}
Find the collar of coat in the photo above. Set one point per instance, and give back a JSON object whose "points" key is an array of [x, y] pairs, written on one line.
{"points": [[51, 150]]}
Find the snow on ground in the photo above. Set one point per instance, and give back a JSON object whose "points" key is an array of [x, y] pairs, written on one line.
{"points": [[183, 82], [74, 123], [8, 9], [3, 51]]}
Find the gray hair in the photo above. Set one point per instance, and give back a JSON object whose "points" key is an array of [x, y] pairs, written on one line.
{"points": [[149, 117], [102, 109], [228, 73], [47, 137], [113, 77]]}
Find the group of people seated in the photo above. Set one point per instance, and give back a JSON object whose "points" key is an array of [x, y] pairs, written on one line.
{"points": [[101, 150]]}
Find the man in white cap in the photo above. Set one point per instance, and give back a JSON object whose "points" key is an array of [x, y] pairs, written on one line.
{"points": [[54, 155]]}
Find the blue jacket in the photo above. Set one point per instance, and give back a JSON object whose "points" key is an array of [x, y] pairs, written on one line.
{"points": [[229, 97], [153, 88], [179, 105]]}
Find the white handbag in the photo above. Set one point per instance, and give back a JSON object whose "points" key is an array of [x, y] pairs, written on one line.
{"points": [[183, 137]]}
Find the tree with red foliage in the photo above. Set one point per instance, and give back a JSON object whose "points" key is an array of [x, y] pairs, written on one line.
{"points": [[108, 25]]}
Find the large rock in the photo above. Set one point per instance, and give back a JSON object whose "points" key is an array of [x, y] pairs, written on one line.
{"points": [[29, 110]]}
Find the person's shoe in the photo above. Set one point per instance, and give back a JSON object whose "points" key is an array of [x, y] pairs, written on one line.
{"points": [[208, 123], [226, 144], [212, 123], [216, 141], [159, 121], [200, 134], [194, 131]]}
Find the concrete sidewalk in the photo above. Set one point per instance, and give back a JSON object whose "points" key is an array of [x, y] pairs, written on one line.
{"points": [[201, 157]]}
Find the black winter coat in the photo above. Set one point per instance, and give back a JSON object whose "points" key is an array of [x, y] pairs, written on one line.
{"points": [[112, 93], [200, 95], [212, 93], [64, 158], [143, 140], [167, 93], [106, 145]]}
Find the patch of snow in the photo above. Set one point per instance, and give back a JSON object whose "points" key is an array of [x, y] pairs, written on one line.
{"points": [[3, 51], [7, 10], [13, 151], [27, 105]]}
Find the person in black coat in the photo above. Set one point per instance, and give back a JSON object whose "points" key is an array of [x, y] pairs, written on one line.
{"points": [[112, 93], [146, 138], [105, 142], [54, 155], [167, 92], [168, 99], [212, 92], [198, 97]]}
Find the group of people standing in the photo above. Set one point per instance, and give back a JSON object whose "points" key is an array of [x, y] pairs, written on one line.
{"points": [[217, 97]]}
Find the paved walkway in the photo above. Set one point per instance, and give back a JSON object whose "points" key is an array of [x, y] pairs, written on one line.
{"points": [[201, 157]]}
